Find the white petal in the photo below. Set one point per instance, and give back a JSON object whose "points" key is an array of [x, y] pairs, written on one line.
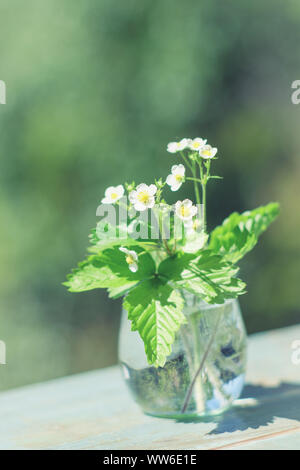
{"points": [[152, 189], [212, 151], [120, 190], [172, 147], [139, 206], [133, 267], [142, 187], [171, 180], [106, 200], [200, 143], [184, 143], [175, 186], [194, 210], [132, 196], [180, 170], [187, 203], [133, 254], [151, 203], [124, 250], [109, 190]]}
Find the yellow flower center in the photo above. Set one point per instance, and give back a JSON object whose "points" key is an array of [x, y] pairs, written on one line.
{"points": [[184, 211], [114, 196], [207, 152], [129, 259], [195, 224], [196, 145], [143, 197], [178, 178]]}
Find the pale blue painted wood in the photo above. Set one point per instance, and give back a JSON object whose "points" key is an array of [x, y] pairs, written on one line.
{"points": [[94, 410]]}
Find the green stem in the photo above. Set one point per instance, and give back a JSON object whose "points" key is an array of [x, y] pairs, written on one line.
{"points": [[199, 394], [197, 194], [186, 161], [193, 179], [198, 371], [204, 179], [204, 206]]}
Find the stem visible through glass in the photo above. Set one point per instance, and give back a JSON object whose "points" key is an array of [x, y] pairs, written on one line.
{"points": [[201, 365]]}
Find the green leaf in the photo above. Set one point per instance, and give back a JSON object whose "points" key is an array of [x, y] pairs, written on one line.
{"points": [[214, 292], [110, 270], [239, 232], [116, 261], [210, 277], [155, 310], [114, 292], [106, 236], [90, 274], [172, 267]]}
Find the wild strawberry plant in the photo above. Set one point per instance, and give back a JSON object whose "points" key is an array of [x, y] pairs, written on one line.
{"points": [[149, 252]]}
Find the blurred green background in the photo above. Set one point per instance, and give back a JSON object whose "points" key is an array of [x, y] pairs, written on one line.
{"points": [[95, 91]]}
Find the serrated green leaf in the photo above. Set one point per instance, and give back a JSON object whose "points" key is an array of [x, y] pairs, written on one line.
{"points": [[116, 261], [106, 236], [172, 267], [239, 232], [90, 274], [121, 290], [209, 277], [110, 270], [155, 310], [214, 292]]}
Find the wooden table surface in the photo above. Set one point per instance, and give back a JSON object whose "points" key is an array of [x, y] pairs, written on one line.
{"points": [[94, 410]]}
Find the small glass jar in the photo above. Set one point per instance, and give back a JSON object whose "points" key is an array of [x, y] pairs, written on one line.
{"points": [[206, 370]]}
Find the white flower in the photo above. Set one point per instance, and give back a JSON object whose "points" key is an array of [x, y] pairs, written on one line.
{"points": [[197, 144], [208, 152], [174, 147], [176, 178], [185, 210], [142, 197], [192, 226], [113, 194], [131, 259]]}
